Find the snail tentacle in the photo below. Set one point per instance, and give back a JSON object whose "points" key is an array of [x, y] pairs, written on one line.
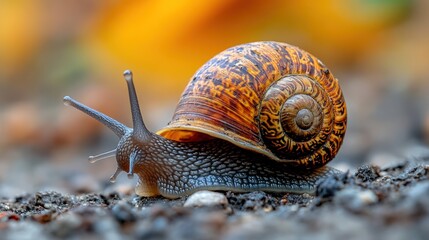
{"points": [[101, 156], [118, 128], [140, 132], [115, 175]]}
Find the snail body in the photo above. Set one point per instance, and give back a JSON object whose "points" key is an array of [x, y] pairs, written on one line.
{"points": [[259, 116]]}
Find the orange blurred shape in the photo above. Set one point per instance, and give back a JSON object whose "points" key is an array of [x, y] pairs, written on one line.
{"points": [[171, 39], [20, 34], [28, 124], [75, 128], [21, 124]]}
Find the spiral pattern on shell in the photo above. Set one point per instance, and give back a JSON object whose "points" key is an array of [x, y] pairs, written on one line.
{"points": [[268, 97], [296, 118]]}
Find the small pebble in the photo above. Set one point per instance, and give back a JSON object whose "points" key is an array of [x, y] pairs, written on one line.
{"points": [[123, 212], [355, 199], [206, 199]]}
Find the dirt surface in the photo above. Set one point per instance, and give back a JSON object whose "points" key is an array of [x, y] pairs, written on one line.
{"points": [[373, 203]]}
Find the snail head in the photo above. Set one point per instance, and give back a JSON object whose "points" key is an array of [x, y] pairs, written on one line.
{"points": [[128, 150]]}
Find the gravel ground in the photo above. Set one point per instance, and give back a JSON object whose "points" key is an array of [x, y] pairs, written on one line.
{"points": [[373, 203]]}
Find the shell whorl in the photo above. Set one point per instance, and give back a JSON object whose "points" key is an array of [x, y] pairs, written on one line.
{"points": [[268, 97]]}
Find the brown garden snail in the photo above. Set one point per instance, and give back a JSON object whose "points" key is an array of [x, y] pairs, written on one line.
{"points": [[258, 116]]}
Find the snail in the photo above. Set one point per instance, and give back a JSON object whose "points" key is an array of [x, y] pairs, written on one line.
{"points": [[259, 116]]}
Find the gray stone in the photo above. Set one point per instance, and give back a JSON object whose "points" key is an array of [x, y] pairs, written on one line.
{"points": [[207, 199], [355, 199]]}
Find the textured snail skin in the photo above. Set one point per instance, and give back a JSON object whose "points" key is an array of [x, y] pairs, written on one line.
{"points": [[259, 116], [173, 169]]}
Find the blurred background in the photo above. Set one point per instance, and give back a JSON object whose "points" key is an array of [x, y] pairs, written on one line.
{"points": [[378, 49]]}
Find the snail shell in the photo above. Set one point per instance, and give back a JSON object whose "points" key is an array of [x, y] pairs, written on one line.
{"points": [[268, 97]]}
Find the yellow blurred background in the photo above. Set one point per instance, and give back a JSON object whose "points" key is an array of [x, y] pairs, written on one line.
{"points": [[377, 48]]}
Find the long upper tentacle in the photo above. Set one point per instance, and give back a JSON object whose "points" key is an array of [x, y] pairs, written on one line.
{"points": [[117, 127], [140, 132]]}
